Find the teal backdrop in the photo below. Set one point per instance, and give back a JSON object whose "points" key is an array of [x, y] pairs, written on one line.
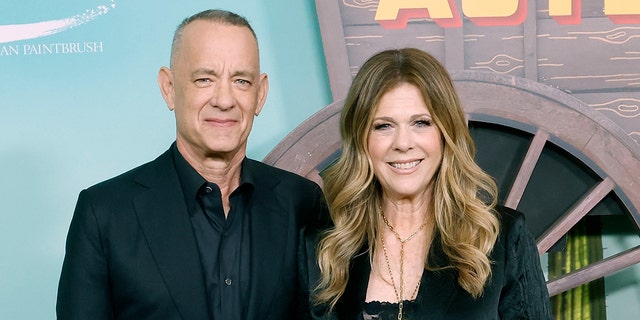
{"points": [[79, 103]]}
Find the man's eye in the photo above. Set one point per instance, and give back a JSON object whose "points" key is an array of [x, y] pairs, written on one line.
{"points": [[243, 82], [203, 82]]}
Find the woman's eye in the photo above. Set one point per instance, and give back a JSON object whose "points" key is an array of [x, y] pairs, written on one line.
{"points": [[381, 126], [423, 123]]}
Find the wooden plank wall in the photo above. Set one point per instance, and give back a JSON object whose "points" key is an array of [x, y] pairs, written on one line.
{"points": [[596, 61]]}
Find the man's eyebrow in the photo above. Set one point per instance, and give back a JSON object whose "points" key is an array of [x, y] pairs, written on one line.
{"points": [[243, 73], [208, 71], [200, 71]]}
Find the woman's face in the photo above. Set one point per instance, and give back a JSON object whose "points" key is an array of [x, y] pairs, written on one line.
{"points": [[405, 144]]}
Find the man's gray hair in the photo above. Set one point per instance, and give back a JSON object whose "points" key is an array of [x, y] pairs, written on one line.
{"points": [[212, 15]]}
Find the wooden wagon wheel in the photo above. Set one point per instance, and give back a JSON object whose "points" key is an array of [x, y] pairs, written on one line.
{"points": [[551, 123]]}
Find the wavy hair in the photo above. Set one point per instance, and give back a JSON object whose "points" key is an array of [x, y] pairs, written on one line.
{"points": [[464, 196]]}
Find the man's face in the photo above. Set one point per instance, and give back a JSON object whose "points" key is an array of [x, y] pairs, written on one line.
{"points": [[215, 88]]}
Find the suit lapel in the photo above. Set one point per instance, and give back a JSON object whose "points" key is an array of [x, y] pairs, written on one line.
{"points": [[436, 293], [165, 222], [355, 293], [438, 288], [269, 226]]}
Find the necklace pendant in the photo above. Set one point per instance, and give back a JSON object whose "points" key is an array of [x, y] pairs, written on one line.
{"points": [[399, 291]]}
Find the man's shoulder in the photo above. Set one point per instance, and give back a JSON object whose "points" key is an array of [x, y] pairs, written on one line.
{"points": [[282, 175], [261, 167], [134, 175]]}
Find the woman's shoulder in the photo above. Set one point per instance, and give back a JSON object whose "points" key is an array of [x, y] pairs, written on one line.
{"points": [[507, 214], [510, 218], [514, 232], [515, 235]]}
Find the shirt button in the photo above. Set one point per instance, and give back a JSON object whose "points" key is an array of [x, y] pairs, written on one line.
{"points": [[227, 282], [208, 189]]}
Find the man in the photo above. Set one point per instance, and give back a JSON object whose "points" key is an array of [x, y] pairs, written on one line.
{"points": [[201, 232]]}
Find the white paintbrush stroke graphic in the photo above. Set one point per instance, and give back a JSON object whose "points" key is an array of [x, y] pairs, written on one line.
{"points": [[16, 32]]}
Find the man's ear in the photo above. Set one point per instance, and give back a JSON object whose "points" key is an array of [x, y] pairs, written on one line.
{"points": [[165, 82], [263, 89]]}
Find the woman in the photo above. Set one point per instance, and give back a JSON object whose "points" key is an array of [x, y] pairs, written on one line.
{"points": [[416, 230]]}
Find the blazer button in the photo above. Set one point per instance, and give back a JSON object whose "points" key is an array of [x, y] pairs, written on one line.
{"points": [[227, 282]]}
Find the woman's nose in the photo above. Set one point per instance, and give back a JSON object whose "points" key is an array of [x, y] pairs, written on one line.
{"points": [[403, 139]]}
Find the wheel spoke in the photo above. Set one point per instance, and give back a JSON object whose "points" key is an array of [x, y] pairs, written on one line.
{"points": [[526, 169], [574, 214], [595, 271]]}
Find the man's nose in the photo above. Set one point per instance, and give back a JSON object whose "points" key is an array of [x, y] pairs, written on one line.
{"points": [[223, 95]]}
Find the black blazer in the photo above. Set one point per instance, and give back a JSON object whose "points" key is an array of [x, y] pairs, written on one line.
{"points": [[131, 252], [516, 290]]}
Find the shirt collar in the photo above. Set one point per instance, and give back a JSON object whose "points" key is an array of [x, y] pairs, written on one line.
{"points": [[191, 181]]}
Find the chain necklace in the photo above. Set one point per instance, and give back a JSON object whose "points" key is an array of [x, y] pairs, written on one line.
{"points": [[399, 291]]}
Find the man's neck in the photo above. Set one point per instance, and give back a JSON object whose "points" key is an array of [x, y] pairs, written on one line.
{"points": [[222, 169]]}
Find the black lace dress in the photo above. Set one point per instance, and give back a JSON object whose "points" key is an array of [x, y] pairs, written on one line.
{"points": [[376, 310]]}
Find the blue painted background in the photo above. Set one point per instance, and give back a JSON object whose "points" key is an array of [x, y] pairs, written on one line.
{"points": [[68, 121]]}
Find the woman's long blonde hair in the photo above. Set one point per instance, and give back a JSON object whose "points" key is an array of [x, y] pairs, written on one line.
{"points": [[463, 197]]}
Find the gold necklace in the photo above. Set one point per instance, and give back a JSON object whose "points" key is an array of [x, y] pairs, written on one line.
{"points": [[399, 292]]}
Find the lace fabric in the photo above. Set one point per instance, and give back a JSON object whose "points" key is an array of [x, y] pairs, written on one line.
{"points": [[377, 310]]}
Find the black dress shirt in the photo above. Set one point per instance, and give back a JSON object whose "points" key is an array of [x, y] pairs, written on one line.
{"points": [[223, 242]]}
